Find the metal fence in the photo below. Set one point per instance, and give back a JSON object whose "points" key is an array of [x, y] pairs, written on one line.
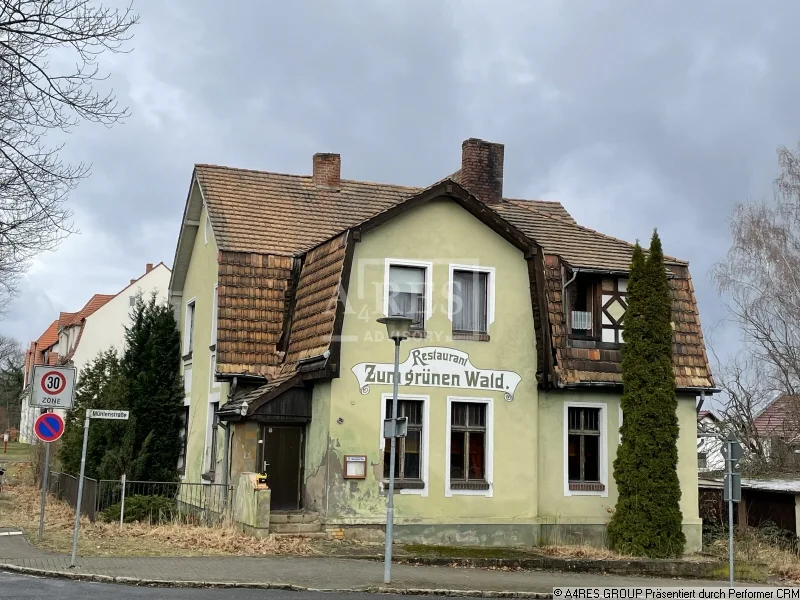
{"points": [[207, 503], [65, 487]]}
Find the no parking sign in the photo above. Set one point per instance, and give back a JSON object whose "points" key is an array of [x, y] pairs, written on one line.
{"points": [[49, 427]]}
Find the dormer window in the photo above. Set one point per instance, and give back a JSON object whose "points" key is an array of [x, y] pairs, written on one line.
{"points": [[596, 309]]}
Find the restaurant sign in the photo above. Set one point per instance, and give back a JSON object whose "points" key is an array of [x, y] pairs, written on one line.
{"points": [[434, 366]]}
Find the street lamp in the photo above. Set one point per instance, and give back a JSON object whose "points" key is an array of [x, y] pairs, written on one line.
{"points": [[397, 329]]}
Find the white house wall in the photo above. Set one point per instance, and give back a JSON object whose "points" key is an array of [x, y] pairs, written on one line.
{"points": [[105, 328]]}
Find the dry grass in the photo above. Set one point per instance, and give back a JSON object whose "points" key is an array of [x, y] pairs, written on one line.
{"points": [[580, 551], [753, 547], [19, 507]]}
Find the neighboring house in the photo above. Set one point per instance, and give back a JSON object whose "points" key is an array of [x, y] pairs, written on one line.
{"points": [[44, 351], [103, 324], [77, 338], [510, 381], [709, 444]]}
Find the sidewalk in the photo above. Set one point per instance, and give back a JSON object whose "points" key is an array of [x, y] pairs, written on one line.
{"points": [[309, 573]]}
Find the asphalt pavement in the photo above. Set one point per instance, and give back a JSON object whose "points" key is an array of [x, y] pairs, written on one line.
{"points": [[21, 587]]}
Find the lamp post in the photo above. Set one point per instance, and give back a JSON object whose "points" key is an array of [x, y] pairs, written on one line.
{"points": [[397, 329]]}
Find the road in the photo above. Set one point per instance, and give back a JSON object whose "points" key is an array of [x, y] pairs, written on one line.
{"points": [[23, 587]]}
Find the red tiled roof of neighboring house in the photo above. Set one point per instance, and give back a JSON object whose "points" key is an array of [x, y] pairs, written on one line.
{"points": [[95, 302], [781, 417], [49, 337], [706, 413]]}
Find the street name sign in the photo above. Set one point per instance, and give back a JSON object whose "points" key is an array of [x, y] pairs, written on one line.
{"points": [[52, 387], [117, 415]]}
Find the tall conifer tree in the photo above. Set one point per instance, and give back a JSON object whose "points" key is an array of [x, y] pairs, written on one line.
{"points": [[647, 520]]}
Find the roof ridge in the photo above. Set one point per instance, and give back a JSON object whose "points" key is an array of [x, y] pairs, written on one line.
{"points": [[297, 176]]}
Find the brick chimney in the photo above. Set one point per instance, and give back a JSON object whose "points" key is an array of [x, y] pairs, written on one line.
{"points": [[148, 267], [327, 171], [482, 169]]}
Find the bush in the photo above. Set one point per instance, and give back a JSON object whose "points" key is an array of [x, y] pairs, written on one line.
{"points": [[145, 509]]}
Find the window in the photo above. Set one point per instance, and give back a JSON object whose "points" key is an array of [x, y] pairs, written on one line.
{"points": [[406, 294], [188, 333], [132, 301], [214, 318], [584, 449], [702, 460], [470, 299], [613, 304], [213, 419], [468, 446], [581, 306], [183, 436], [408, 468]]}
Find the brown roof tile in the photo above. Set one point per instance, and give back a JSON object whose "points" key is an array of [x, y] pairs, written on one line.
{"points": [[780, 418]]}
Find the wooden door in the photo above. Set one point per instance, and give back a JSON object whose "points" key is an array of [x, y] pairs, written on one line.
{"points": [[281, 460]]}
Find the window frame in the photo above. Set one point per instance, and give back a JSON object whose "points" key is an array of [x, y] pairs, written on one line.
{"points": [[596, 333], [704, 454], [208, 449], [419, 264], [490, 299], [187, 408], [212, 369], [614, 294], [425, 442], [188, 327], [488, 472], [602, 444], [214, 317]]}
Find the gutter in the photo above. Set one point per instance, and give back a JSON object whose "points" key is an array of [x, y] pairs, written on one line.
{"points": [[610, 384]]}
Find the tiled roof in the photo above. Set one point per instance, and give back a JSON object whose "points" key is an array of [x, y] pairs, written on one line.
{"points": [[579, 246], [49, 337], [65, 319], [316, 300], [264, 223], [95, 302], [781, 417], [244, 398], [252, 295], [244, 205]]}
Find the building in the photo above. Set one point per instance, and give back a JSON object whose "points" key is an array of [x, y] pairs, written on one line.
{"points": [[77, 338], [510, 380]]}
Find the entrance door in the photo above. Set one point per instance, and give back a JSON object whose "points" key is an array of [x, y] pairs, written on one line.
{"points": [[281, 459]]}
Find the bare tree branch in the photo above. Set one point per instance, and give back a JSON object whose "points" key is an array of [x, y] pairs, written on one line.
{"points": [[38, 95]]}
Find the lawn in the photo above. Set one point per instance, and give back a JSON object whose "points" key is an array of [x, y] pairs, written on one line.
{"points": [[17, 452]]}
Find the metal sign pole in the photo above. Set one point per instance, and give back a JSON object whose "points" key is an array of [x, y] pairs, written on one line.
{"points": [[729, 469], [122, 503], [80, 490], [45, 482], [387, 556]]}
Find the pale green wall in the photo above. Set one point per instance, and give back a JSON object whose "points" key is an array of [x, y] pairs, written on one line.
{"points": [[201, 277], [443, 233], [555, 507]]}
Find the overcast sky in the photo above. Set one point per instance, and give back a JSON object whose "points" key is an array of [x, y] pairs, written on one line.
{"points": [[635, 115]]}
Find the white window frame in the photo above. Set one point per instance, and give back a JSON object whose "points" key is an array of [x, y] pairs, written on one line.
{"points": [[490, 296], [402, 262], [207, 228], [212, 368], [187, 328], [426, 419], [187, 379], [207, 443], [214, 312], [603, 418], [489, 468]]}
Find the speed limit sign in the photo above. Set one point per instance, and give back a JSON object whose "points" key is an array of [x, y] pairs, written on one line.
{"points": [[52, 387]]}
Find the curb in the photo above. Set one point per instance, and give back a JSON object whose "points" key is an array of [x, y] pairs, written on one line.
{"points": [[266, 585]]}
